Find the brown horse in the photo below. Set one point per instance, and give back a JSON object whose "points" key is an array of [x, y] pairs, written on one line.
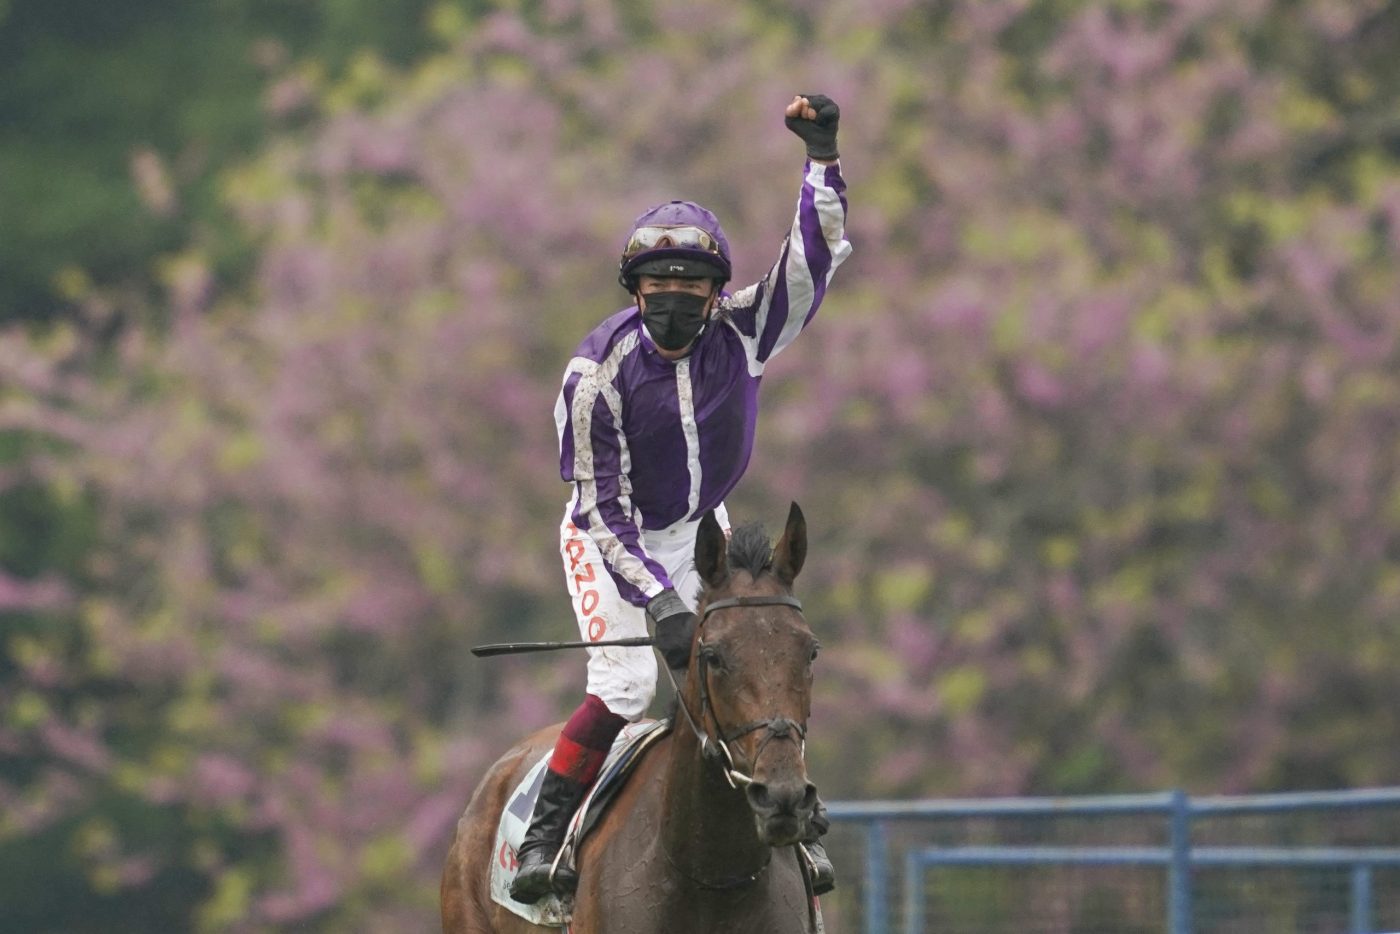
{"points": [[701, 837]]}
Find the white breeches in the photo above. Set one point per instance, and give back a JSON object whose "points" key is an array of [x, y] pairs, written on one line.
{"points": [[624, 677]]}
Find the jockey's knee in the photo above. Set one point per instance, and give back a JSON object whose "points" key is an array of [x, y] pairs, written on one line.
{"points": [[630, 706], [629, 688]]}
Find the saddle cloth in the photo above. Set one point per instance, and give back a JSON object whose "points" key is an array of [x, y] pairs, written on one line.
{"points": [[553, 911]]}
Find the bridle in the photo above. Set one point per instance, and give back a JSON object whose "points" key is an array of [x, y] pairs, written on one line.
{"points": [[716, 747]]}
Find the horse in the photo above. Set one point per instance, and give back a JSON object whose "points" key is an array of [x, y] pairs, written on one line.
{"points": [[702, 836]]}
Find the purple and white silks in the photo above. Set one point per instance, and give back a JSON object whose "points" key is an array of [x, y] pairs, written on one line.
{"points": [[649, 442]]}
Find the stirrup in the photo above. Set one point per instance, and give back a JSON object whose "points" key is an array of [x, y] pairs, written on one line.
{"points": [[538, 876], [535, 877]]}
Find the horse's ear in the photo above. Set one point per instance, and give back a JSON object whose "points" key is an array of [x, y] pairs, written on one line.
{"points": [[791, 551], [711, 550]]}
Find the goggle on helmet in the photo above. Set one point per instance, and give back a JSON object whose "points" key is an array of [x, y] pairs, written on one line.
{"points": [[678, 238]]}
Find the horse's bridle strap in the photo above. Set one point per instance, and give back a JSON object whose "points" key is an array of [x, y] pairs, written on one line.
{"points": [[777, 726], [774, 600]]}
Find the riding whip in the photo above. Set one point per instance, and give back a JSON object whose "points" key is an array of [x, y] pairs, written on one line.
{"points": [[512, 648]]}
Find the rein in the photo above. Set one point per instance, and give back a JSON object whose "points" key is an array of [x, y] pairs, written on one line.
{"points": [[724, 884], [717, 747]]}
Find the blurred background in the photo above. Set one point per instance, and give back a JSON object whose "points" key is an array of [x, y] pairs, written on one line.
{"points": [[1097, 433]]}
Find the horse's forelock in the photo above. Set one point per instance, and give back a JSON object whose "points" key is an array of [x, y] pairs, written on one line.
{"points": [[750, 550]]}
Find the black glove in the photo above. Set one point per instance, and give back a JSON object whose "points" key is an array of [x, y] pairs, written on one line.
{"points": [[819, 133], [675, 628]]}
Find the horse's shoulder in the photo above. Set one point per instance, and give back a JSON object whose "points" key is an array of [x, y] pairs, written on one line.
{"points": [[632, 817]]}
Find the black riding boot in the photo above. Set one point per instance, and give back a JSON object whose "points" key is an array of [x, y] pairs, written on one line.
{"points": [[823, 873], [559, 797]]}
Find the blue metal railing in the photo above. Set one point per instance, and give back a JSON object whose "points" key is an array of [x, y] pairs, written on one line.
{"points": [[1178, 857]]}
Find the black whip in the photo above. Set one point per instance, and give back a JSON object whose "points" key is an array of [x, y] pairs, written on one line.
{"points": [[513, 648]]}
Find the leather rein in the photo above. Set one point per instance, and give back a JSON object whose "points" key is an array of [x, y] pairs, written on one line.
{"points": [[716, 747]]}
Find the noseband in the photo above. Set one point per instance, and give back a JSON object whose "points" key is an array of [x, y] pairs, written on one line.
{"points": [[717, 747]]}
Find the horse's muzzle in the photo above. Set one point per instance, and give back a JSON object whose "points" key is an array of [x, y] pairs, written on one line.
{"points": [[782, 811]]}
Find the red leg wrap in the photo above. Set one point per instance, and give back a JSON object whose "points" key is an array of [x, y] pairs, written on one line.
{"points": [[585, 741]]}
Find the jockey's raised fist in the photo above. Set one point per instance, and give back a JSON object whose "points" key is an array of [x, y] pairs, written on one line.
{"points": [[814, 118]]}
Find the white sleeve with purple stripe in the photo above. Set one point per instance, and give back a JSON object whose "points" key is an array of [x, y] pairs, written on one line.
{"points": [[771, 313]]}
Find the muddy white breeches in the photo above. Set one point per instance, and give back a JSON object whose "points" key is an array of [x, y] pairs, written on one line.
{"points": [[624, 678]]}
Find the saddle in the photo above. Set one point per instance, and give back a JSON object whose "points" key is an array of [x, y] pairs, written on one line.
{"points": [[554, 911]]}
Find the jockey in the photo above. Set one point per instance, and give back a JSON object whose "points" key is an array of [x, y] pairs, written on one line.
{"points": [[656, 424]]}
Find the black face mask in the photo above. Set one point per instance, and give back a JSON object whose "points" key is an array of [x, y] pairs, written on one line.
{"points": [[674, 319]]}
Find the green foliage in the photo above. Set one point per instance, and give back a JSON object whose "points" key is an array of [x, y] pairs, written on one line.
{"points": [[117, 119]]}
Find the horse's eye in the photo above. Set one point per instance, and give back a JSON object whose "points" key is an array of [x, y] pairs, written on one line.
{"points": [[816, 650], [711, 657]]}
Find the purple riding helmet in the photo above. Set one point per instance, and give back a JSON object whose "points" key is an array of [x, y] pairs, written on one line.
{"points": [[678, 238]]}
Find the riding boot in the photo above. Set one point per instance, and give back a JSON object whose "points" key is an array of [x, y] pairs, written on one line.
{"points": [[823, 873], [559, 797]]}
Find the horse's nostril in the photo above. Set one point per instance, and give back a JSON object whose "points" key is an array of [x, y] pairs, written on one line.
{"points": [[759, 798], [809, 799]]}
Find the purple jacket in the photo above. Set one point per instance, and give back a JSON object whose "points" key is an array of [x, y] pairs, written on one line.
{"points": [[649, 442]]}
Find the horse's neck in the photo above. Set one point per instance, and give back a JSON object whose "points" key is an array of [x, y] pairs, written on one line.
{"points": [[708, 827]]}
